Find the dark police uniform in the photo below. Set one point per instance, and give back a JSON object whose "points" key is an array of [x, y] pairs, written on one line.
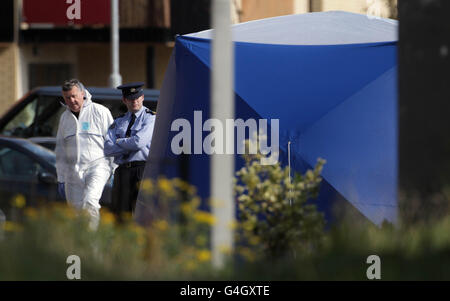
{"points": [[128, 141]]}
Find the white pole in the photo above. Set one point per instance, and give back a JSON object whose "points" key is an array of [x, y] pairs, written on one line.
{"points": [[222, 108], [115, 79]]}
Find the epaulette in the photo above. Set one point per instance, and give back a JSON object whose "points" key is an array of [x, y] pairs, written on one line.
{"points": [[120, 116], [150, 111]]}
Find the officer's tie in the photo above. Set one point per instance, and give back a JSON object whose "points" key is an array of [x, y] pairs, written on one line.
{"points": [[133, 119], [128, 133]]}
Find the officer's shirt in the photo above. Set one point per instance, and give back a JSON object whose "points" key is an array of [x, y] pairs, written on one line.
{"points": [[137, 146]]}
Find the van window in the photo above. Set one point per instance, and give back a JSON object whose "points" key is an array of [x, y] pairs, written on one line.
{"points": [[20, 125], [15, 164], [49, 111], [40, 117]]}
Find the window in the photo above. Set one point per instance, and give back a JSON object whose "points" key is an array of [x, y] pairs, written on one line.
{"points": [[7, 21], [20, 125], [48, 114]]}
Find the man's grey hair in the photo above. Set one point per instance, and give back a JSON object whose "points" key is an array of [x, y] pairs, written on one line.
{"points": [[69, 84]]}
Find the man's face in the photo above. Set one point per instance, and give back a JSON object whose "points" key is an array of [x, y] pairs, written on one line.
{"points": [[134, 105], [74, 99]]}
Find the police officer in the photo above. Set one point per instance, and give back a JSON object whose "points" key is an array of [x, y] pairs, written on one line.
{"points": [[128, 141]]}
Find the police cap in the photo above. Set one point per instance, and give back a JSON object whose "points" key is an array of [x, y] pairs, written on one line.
{"points": [[132, 91]]}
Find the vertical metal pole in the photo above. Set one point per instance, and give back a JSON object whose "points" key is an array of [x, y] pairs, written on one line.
{"points": [[222, 108], [115, 79]]}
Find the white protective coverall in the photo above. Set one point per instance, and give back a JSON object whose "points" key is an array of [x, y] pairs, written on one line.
{"points": [[80, 160]]}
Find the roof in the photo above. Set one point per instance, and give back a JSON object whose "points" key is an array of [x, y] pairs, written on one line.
{"points": [[30, 146], [322, 28]]}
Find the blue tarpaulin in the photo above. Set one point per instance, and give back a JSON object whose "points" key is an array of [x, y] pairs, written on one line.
{"points": [[330, 79]]}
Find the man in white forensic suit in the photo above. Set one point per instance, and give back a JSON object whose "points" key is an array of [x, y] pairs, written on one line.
{"points": [[81, 165]]}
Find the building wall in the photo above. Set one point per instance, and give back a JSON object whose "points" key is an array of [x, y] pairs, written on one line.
{"points": [[379, 8], [133, 62], [142, 13], [257, 9], [301, 6], [260, 9], [8, 64], [91, 62], [356, 6], [56, 53], [162, 57], [95, 63]]}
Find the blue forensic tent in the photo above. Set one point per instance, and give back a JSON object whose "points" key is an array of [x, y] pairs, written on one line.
{"points": [[330, 79]]}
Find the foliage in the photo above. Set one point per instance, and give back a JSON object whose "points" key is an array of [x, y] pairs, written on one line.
{"points": [[175, 245], [179, 232], [36, 244], [276, 215]]}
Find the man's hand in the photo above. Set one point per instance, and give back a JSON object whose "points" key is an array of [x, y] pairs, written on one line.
{"points": [[62, 190]]}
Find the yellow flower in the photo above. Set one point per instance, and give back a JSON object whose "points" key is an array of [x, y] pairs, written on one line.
{"points": [[195, 202], [126, 216], [203, 255], [147, 186], [186, 208], [165, 187], [177, 182], [69, 212], [248, 226], [137, 229], [204, 217], [19, 201], [161, 225], [107, 218], [12, 227], [31, 212]]}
